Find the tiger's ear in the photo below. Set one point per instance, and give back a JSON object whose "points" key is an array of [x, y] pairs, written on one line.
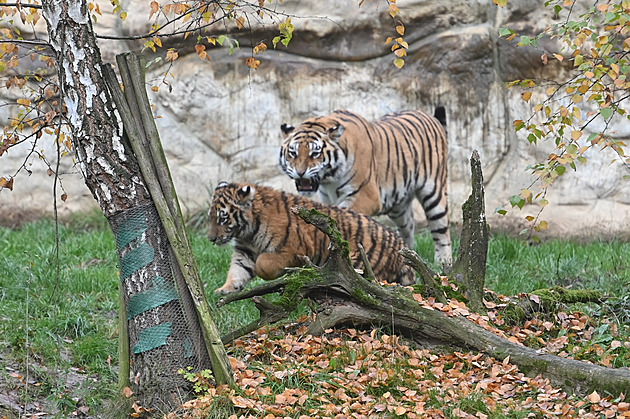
{"points": [[335, 132], [221, 184], [287, 129], [245, 194]]}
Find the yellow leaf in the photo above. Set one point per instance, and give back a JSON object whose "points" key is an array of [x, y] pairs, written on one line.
{"points": [[123, 15], [526, 96], [240, 22], [157, 42], [393, 10], [500, 3], [150, 44], [558, 57], [24, 102], [400, 29], [576, 135], [543, 225], [399, 62], [155, 88]]}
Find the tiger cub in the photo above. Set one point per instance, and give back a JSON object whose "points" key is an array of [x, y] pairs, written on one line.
{"points": [[375, 167], [269, 237]]}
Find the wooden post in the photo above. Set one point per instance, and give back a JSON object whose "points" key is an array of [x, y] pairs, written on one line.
{"points": [[137, 117]]}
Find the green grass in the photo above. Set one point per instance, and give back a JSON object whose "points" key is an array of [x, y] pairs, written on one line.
{"points": [[60, 315], [514, 266]]}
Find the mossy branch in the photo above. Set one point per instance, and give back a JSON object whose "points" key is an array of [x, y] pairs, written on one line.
{"points": [[545, 301]]}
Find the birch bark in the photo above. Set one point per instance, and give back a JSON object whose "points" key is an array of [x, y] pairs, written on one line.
{"points": [[159, 338]]}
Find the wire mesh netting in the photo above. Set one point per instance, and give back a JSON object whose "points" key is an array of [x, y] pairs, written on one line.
{"points": [[164, 331]]}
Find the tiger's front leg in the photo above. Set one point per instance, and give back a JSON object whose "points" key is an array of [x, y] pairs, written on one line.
{"points": [[242, 270]]}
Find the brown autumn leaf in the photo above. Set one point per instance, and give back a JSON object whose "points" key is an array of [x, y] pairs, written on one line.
{"points": [[127, 392], [171, 55], [155, 6], [6, 183], [252, 62], [200, 49]]}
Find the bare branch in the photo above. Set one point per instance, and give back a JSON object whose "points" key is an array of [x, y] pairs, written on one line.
{"points": [[32, 6]]}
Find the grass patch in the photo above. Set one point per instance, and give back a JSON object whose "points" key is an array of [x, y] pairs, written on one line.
{"points": [[59, 310]]}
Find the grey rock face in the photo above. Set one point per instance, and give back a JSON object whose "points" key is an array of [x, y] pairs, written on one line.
{"points": [[220, 120]]}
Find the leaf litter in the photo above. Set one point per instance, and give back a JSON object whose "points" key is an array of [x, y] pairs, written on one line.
{"points": [[283, 372]]}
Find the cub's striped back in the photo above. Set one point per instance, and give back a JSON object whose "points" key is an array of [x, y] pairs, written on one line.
{"points": [[375, 167], [269, 237]]}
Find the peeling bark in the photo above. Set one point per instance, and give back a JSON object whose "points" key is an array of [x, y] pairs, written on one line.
{"points": [[105, 161]]}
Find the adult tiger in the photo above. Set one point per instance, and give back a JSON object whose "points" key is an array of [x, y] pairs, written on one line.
{"points": [[269, 237], [375, 167]]}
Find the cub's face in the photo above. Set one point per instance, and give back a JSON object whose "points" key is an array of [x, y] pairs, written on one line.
{"points": [[230, 212], [309, 154]]}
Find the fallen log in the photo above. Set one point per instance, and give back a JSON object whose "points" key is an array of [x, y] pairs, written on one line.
{"points": [[344, 297]]}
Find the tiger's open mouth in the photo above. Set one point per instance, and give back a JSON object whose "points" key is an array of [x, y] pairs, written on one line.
{"points": [[306, 185]]}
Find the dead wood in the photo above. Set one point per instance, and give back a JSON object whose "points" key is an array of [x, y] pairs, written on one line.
{"points": [[546, 301], [344, 297], [470, 267]]}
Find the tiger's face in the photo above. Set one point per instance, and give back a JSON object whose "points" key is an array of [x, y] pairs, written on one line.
{"points": [[229, 212], [311, 154]]}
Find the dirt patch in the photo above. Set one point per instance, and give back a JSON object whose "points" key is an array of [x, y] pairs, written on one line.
{"points": [[30, 393]]}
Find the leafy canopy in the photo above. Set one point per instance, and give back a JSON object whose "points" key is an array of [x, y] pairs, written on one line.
{"points": [[582, 112]]}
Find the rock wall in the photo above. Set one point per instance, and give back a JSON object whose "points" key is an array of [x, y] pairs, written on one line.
{"points": [[219, 120]]}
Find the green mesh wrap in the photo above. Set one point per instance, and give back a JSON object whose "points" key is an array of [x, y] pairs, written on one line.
{"points": [[162, 321]]}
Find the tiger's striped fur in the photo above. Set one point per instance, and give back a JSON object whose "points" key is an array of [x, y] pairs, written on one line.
{"points": [[269, 237], [375, 167]]}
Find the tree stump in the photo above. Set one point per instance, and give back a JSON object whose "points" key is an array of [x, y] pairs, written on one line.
{"points": [[470, 267]]}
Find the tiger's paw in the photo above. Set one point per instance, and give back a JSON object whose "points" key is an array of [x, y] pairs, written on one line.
{"points": [[227, 289]]}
